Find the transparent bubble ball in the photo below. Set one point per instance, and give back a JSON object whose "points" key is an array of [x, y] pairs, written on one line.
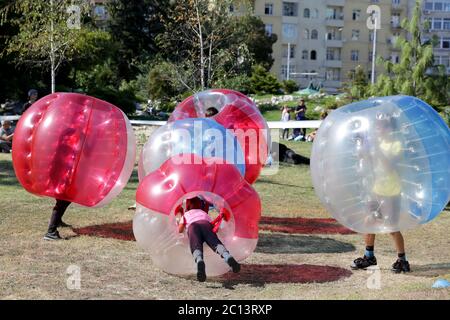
{"points": [[383, 164]]}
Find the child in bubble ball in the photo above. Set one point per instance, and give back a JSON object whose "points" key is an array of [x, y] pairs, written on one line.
{"points": [[200, 229], [386, 193]]}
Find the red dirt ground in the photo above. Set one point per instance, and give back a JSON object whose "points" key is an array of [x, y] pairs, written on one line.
{"points": [[124, 230], [286, 273], [253, 273], [303, 226]]}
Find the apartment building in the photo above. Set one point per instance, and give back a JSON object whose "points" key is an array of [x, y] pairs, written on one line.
{"points": [[437, 12], [328, 39]]}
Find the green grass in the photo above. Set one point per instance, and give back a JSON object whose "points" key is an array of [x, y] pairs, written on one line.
{"points": [[113, 269]]}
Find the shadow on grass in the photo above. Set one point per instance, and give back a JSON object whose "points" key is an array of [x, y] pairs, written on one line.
{"points": [[258, 275], [281, 243], [266, 181], [430, 270], [7, 174]]}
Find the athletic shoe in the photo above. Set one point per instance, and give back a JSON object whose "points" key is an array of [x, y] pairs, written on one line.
{"points": [[201, 273], [52, 236], [400, 266], [235, 266], [363, 263]]}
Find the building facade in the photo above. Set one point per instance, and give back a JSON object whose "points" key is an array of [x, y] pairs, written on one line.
{"points": [[328, 39], [437, 12]]}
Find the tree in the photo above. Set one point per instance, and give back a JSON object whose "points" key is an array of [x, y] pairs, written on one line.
{"points": [[48, 31], [263, 82], [205, 37], [134, 26], [358, 87], [415, 73], [289, 86]]}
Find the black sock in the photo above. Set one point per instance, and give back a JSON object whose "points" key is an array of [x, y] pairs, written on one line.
{"points": [[402, 256]]}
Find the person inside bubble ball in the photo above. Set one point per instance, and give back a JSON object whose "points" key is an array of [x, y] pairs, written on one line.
{"points": [[385, 204], [200, 229], [211, 112]]}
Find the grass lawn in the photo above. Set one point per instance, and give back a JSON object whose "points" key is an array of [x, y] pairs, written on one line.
{"points": [[115, 269]]}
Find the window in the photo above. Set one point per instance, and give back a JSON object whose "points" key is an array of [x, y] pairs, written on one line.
{"points": [[290, 9], [429, 6], [396, 2], [100, 11], [333, 54], [371, 35], [305, 54], [354, 55], [289, 30], [334, 14], [269, 28], [356, 14], [444, 60], [333, 74], [334, 34], [306, 13], [313, 55], [306, 34], [314, 34], [284, 70], [445, 43], [446, 7], [231, 8], [355, 35], [268, 9], [395, 58], [370, 56], [314, 13], [292, 52], [438, 6], [437, 24], [395, 19], [446, 24]]}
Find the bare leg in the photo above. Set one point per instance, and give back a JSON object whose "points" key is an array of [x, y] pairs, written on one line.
{"points": [[399, 241], [369, 239]]}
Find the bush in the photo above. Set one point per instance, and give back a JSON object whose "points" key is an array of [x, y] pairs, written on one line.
{"points": [[290, 86], [241, 83], [262, 82]]}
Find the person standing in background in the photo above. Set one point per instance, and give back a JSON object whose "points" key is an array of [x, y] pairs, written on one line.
{"points": [[285, 117], [300, 115]]}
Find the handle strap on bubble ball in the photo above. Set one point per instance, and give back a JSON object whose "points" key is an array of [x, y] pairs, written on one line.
{"points": [[224, 215]]}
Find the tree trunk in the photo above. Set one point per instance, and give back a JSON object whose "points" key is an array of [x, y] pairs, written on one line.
{"points": [[52, 48], [202, 54]]}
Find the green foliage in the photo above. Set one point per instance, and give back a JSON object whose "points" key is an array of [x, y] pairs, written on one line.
{"points": [[358, 87], [415, 74], [159, 83], [203, 39], [263, 82], [289, 86], [134, 26], [103, 82], [241, 83]]}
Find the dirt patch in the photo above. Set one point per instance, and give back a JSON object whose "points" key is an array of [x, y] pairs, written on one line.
{"points": [[124, 230], [303, 225], [261, 274]]}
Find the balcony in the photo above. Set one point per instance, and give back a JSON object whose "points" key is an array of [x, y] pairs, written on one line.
{"points": [[336, 3], [337, 21], [397, 7], [334, 43], [333, 63]]}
